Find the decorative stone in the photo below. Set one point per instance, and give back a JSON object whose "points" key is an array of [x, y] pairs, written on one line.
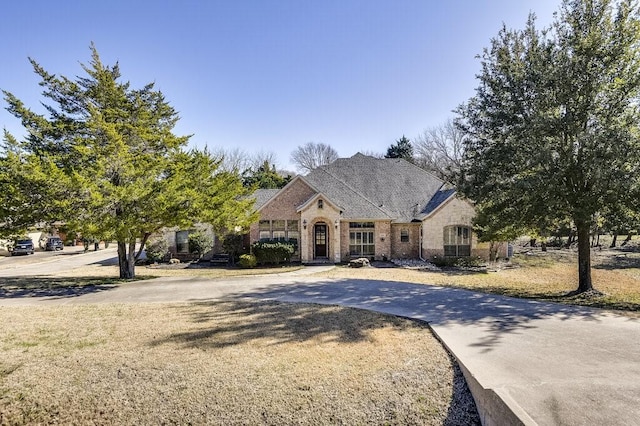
{"points": [[359, 263], [174, 261]]}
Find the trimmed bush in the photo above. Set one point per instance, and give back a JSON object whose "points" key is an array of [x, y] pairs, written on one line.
{"points": [[199, 243], [247, 261], [157, 250], [273, 253], [460, 262], [444, 262]]}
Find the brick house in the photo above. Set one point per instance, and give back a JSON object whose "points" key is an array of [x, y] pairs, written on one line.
{"points": [[368, 207], [177, 240]]}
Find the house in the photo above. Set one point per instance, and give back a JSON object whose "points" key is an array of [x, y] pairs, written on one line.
{"points": [[368, 207], [177, 241]]}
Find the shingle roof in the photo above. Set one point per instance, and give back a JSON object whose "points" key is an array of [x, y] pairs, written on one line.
{"points": [[352, 203], [438, 198], [375, 188], [264, 195]]}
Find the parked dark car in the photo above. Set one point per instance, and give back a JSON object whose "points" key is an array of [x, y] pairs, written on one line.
{"points": [[54, 243], [23, 246]]}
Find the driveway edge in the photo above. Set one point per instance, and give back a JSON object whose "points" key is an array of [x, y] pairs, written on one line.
{"points": [[495, 408]]}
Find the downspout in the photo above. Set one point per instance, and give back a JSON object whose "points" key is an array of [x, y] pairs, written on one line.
{"points": [[420, 248], [415, 212]]}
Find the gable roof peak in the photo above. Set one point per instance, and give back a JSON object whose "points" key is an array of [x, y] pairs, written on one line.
{"points": [[360, 155]]}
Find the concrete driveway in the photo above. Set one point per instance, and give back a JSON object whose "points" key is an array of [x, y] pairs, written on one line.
{"points": [[45, 263], [526, 362]]}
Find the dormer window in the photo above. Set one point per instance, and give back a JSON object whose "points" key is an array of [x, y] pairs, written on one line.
{"points": [[320, 204]]}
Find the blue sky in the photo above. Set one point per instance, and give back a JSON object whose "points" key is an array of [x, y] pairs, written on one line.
{"points": [[271, 75]]}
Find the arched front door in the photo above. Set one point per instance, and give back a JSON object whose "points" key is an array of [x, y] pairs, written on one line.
{"points": [[320, 240]]}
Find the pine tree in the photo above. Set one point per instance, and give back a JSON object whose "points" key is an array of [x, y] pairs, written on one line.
{"points": [[401, 149]]}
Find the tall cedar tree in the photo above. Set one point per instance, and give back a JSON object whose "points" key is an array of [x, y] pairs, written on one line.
{"points": [[112, 156], [401, 149], [552, 131], [25, 181]]}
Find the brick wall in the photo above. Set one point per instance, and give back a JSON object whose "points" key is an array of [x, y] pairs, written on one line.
{"points": [[284, 206], [409, 249], [381, 235], [453, 212]]}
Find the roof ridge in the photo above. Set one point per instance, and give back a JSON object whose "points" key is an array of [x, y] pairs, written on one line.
{"points": [[417, 167], [357, 193]]}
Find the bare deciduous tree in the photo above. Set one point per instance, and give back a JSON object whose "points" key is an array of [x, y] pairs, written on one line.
{"points": [[439, 149], [313, 155], [233, 160], [238, 160], [372, 153]]}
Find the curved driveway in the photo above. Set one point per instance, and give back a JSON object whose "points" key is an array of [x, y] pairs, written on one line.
{"points": [[526, 362]]}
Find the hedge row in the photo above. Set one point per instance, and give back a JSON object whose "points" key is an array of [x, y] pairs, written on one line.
{"points": [[272, 253]]}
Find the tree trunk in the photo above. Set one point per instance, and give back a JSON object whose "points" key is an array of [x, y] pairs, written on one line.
{"points": [[126, 260], [494, 246], [614, 240], [543, 244], [626, 240], [571, 239], [584, 258], [145, 237]]}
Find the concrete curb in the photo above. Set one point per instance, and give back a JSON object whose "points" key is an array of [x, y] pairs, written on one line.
{"points": [[495, 407]]}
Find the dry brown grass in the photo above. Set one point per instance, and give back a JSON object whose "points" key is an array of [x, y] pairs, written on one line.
{"points": [[224, 363], [150, 271], [543, 276]]}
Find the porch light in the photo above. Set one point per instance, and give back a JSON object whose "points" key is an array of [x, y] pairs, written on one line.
{"points": [[304, 223]]}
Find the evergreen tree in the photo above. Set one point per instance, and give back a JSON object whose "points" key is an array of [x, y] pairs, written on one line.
{"points": [[265, 177], [552, 131], [30, 189], [401, 149], [107, 162]]}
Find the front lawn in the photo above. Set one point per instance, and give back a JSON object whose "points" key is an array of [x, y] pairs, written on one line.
{"points": [[176, 271], [224, 363]]}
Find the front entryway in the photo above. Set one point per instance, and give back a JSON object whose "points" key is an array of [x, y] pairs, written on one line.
{"points": [[320, 240]]}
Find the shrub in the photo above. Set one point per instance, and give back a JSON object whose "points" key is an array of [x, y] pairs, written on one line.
{"points": [[200, 243], [247, 261], [233, 244], [157, 250], [444, 262], [470, 262], [274, 252], [461, 262]]}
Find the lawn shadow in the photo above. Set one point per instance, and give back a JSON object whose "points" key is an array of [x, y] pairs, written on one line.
{"points": [[439, 306], [232, 322], [619, 261], [53, 288], [112, 261], [458, 272]]}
